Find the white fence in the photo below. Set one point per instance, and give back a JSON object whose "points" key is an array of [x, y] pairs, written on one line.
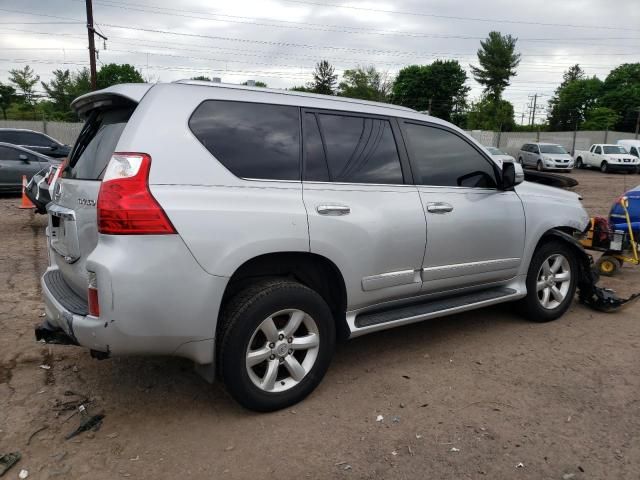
{"points": [[65, 132], [510, 142]]}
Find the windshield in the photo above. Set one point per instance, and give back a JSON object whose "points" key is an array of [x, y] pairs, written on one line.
{"points": [[614, 149], [495, 151], [552, 149]]}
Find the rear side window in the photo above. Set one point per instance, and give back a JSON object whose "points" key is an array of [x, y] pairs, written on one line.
{"points": [[443, 158], [11, 137], [252, 140], [96, 143], [356, 150], [7, 153]]}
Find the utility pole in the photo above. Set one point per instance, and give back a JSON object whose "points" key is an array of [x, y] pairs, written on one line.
{"points": [[430, 100], [638, 123], [533, 113], [92, 46]]}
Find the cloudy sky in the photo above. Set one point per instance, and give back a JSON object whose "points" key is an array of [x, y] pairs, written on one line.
{"points": [[279, 41]]}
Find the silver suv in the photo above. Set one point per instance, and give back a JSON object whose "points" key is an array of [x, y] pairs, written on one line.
{"points": [[250, 229]]}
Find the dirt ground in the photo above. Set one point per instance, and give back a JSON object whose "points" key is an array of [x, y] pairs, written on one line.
{"points": [[478, 395]]}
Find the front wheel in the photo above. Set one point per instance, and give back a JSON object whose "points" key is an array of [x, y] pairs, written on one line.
{"points": [[551, 282], [520, 161], [604, 167], [277, 340], [539, 166], [579, 164]]}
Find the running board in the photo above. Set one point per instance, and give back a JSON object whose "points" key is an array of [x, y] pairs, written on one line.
{"points": [[434, 308]]}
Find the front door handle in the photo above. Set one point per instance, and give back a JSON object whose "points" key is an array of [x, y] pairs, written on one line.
{"points": [[439, 207], [333, 210]]}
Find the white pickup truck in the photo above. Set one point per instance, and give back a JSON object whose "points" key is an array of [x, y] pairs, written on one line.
{"points": [[607, 158]]}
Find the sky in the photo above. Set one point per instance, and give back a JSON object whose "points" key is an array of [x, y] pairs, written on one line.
{"points": [[279, 41]]}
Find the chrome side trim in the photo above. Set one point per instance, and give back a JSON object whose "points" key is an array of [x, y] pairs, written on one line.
{"points": [[458, 269], [390, 279]]}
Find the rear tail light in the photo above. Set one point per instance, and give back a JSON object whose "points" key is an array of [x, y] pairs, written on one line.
{"points": [[125, 203], [92, 295]]}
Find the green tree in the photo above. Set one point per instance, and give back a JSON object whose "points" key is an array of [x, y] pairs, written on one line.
{"points": [[201, 77], [600, 118], [491, 114], [558, 116], [300, 88], [572, 101], [621, 93], [440, 85], [364, 83], [7, 97], [25, 80], [62, 90], [324, 79], [113, 74], [498, 61]]}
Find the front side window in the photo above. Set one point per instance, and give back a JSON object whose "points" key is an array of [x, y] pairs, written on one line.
{"points": [[8, 153], [598, 150], [442, 158], [356, 150], [252, 140]]}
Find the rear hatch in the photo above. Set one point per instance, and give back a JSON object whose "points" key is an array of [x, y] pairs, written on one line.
{"points": [[73, 229]]}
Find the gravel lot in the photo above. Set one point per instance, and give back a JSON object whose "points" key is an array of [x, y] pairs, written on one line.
{"points": [[478, 395]]}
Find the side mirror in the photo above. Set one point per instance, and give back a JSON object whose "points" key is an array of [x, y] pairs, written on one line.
{"points": [[512, 175], [24, 158], [54, 146]]}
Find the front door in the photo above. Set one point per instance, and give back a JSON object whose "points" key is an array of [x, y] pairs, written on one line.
{"points": [[475, 232], [14, 163], [362, 214]]}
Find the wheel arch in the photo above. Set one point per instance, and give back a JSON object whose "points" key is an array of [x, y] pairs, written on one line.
{"points": [[315, 271]]}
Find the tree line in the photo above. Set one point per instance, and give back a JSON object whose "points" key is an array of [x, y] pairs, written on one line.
{"points": [[439, 88]]}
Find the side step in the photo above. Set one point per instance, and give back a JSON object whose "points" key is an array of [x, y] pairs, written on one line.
{"points": [[417, 310]]}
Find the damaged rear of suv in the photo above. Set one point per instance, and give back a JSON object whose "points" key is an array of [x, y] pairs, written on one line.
{"points": [[250, 229]]}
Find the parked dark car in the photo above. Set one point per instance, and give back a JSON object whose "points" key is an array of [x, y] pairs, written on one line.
{"points": [[17, 161], [35, 141]]}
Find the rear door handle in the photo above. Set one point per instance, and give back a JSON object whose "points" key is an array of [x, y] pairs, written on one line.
{"points": [[439, 207], [333, 210]]}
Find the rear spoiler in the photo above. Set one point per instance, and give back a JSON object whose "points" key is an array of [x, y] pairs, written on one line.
{"points": [[117, 94]]}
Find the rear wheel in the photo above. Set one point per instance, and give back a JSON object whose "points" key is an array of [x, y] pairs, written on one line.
{"points": [[551, 282], [277, 340], [604, 167]]}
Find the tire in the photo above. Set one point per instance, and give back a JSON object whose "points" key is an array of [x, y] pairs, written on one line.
{"points": [[245, 320], [520, 161], [608, 265], [539, 166], [533, 306], [579, 164], [604, 167]]}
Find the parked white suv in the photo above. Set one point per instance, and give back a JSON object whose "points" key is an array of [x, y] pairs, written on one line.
{"points": [[248, 229]]}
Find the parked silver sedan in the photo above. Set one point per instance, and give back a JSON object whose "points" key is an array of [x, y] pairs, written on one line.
{"points": [[545, 156]]}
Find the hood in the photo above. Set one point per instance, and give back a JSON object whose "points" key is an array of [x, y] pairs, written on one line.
{"points": [[560, 156], [527, 188]]}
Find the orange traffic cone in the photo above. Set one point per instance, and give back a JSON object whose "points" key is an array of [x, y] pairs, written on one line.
{"points": [[25, 202]]}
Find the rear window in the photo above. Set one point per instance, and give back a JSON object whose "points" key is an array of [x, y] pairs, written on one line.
{"points": [[96, 143], [252, 140]]}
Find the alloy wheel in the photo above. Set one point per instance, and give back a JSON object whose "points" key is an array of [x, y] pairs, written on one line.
{"points": [[282, 350], [553, 281]]}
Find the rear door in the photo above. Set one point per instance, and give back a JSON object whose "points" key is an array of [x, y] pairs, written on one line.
{"points": [[14, 164], [72, 214], [363, 212], [475, 232]]}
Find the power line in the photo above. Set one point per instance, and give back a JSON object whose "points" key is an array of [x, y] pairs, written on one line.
{"points": [[451, 17], [306, 25]]}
